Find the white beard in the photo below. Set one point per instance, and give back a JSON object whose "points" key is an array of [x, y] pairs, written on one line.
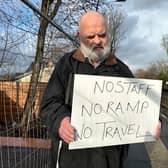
{"points": [[95, 56]]}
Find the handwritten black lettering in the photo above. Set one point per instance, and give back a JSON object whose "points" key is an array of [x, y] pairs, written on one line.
{"points": [[144, 106], [134, 89], [130, 86], [135, 108], [131, 129], [141, 87], [148, 88], [117, 133], [100, 88], [124, 130], [119, 107], [105, 128], [87, 110], [91, 109], [109, 86], [110, 108], [138, 134], [98, 108], [111, 130], [86, 133], [114, 108], [120, 87]]}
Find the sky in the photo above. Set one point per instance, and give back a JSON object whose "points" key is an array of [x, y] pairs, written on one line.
{"points": [[145, 24]]}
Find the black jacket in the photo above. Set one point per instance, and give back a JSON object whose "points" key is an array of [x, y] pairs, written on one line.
{"points": [[56, 104]]}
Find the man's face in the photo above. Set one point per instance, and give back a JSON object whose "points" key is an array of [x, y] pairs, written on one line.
{"points": [[94, 38]]}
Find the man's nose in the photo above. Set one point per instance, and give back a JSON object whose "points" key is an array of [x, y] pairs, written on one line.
{"points": [[97, 40]]}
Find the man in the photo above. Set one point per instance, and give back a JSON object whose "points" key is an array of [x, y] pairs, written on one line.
{"points": [[94, 58]]}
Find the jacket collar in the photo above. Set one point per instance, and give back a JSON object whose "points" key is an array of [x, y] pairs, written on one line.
{"points": [[78, 55]]}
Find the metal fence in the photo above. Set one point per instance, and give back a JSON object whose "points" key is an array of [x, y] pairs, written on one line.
{"points": [[17, 151]]}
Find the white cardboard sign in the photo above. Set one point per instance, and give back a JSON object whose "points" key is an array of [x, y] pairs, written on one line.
{"points": [[113, 110]]}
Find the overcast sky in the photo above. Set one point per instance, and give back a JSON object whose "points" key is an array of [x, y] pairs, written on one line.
{"points": [[146, 23]]}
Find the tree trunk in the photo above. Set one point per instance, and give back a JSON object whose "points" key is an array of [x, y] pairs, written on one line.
{"points": [[28, 108]]}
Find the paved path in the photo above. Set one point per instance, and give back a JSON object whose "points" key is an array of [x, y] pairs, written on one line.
{"points": [[150, 155]]}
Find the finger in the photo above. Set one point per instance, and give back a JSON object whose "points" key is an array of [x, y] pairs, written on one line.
{"points": [[66, 138], [66, 131], [66, 128], [67, 134], [70, 130]]}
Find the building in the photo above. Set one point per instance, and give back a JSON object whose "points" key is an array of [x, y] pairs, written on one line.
{"points": [[44, 74]]}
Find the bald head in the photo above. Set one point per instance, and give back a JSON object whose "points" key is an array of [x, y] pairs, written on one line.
{"points": [[91, 19]]}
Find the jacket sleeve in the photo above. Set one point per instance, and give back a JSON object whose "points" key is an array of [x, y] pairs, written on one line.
{"points": [[52, 107]]}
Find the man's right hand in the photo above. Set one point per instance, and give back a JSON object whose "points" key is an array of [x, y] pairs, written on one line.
{"points": [[66, 131]]}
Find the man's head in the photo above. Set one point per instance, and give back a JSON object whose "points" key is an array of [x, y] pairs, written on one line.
{"points": [[93, 36]]}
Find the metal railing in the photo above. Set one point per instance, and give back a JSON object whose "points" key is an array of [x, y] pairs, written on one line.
{"points": [[17, 151]]}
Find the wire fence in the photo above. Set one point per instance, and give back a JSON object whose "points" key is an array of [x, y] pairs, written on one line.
{"points": [[17, 151]]}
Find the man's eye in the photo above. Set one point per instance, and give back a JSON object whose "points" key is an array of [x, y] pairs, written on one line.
{"points": [[102, 35], [90, 37]]}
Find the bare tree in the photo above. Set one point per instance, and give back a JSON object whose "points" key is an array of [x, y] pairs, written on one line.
{"points": [[15, 34], [158, 70], [9, 44], [49, 8], [68, 17], [140, 73], [164, 42], [49, 40], [115, 21]]}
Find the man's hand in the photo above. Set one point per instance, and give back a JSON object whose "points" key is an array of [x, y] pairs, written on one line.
{"points": [[158, 130], [66, 131]]}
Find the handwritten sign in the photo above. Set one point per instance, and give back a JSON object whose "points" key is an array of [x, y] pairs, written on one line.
{"points": [[113, 110]]}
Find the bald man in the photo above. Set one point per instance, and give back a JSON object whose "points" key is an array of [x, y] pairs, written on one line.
{"points": [[92, 57]]}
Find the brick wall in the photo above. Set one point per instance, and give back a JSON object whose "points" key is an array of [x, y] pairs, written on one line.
{"points": [[12, 100]]}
